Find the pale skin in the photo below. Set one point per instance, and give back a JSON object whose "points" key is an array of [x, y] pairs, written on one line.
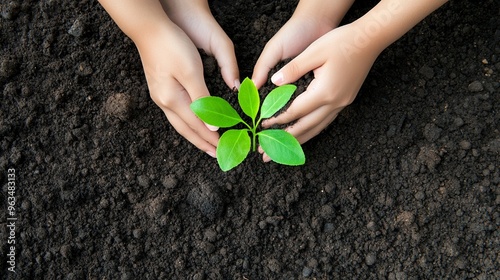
{"points": [[168, 32], [340, 58], [167, 35]]}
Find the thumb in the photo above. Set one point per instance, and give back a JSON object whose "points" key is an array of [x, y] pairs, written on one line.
{"points": [[195, 86], [305, 62], [223, 52], [270, 56]]}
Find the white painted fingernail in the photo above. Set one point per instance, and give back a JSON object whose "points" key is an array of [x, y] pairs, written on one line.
{"points": [[210, 153], [277, 78], [211, 127]]}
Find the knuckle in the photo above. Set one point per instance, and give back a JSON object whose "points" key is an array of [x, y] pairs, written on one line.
{"points": [[339, 101], [191, 70], [293, 69], [163, 100]]}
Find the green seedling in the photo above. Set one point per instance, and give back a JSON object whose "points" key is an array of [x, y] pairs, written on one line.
{"points": [[234, 144]]}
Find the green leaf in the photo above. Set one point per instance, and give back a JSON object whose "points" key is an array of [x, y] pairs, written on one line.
{"points": [[233, 148], [249, 99], [276, 99], [281, 147], [215, 111]]}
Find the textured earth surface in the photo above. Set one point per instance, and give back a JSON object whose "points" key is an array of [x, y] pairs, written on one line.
{"points": [[404, 184]]}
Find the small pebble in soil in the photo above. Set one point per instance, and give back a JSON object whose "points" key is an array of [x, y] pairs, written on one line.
{"points": [[429, 157], [432, 132], [494, 146], [329, 227], [170, 182], [206, 199], [465, 145], [65, 251], [427, 72], [77, 28], [10, 10], [274, 266], [370, 259], [8, 66], [210, 235], [84, 69], [199, 276], [420, 195], [307, 271], [137, 233], [406, 218], [143, 181], [475, 86], [371, 226], [458, 122], [156, 207], [326, 211], [119, 105]]}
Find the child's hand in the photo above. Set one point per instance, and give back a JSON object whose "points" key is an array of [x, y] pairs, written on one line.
{"points": [[171, 61], [196, 20], [311, 20], [294, 37], [174, 73], [341, 60], [340, 66]]}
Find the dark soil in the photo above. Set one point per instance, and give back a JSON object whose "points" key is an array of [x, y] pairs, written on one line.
{"points": [[403, 185]]}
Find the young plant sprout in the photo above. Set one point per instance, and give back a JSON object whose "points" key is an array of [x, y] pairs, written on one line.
{"points": [[234, 144]]}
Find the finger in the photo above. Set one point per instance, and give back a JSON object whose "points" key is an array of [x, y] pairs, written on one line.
{"points": [[265, 158], [183, 111], [308, 127], [191, 80], [305, 62], [172, 97], [223, 52], [190, 77], [304, 104], [184, 130], [270, 56], [261, 151], [312, 124]]}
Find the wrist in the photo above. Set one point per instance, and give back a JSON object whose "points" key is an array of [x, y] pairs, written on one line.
{"points": [[328, 12], [150, 32], [391, 19]]}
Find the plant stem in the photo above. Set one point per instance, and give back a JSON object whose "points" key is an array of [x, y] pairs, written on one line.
{"points": [[254, 134]]}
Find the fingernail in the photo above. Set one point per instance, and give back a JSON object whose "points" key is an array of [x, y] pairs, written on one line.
{"points": [[266, 158], [237, 84], [277, 78], [211, 127], [261, 151], [210, 153]]}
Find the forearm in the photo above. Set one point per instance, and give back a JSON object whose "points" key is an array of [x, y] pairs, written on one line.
{"points": [[138, 19], [391, 19], [331, 11]]}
